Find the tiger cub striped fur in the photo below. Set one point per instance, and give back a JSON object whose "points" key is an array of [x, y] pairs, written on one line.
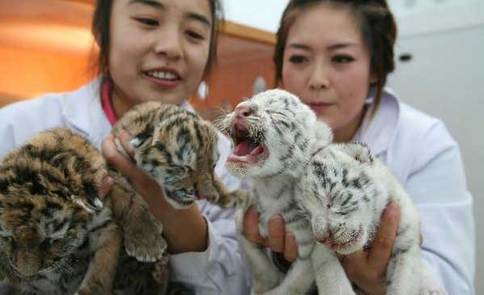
{"points": [[322, 190], [346, 192], [56, 235], [179, 150], [174, 146]]}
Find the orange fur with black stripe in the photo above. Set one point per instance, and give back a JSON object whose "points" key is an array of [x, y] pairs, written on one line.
{"points": [[60, 172], [56, 234], [179, 150]]}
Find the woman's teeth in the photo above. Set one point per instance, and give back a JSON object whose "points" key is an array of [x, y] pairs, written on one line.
{"points": [[163, 75]]}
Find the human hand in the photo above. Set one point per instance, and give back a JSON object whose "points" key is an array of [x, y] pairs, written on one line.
{"points": [[278, 240], [123, 162], [106, 184], [184, 230], [367, 268]]}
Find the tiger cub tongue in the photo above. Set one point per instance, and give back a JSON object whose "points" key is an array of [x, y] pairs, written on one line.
{"points": [[244, 148]]}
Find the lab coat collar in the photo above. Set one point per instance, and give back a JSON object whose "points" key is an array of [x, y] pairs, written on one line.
{"points": [[87, 100], [83, 112], [379, 130]]}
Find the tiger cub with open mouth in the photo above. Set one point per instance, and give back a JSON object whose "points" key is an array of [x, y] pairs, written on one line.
{"points": [[324, 191]]}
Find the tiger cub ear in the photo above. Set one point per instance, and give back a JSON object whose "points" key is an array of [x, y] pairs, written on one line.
{"points": [[358, 151]]}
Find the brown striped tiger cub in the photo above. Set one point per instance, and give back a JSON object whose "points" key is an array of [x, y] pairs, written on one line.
{"points": [[177, 148], [58, 237]]}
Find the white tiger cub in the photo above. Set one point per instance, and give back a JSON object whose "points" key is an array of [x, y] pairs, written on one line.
{"points": [[345, 192], [322, 190], [273, 134]]}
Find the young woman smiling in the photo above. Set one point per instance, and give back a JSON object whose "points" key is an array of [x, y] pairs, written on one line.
{"points": [[150, 50]]}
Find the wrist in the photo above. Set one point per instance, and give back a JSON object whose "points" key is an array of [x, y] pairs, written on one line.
{"points": [[185, 230]]}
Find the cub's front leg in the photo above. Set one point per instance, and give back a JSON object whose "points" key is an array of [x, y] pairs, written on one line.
{"points": [[141, 232], [297, 281], [264, 273], [102, 268], [330, 275]]}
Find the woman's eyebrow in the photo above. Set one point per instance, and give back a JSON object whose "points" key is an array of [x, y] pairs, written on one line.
{"points": [[152, 3], [298, 46], [190, 15], [200, 18], [330, 47], [342, 45]]}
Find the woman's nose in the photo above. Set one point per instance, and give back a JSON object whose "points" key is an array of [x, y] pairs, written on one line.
{"points": [[169, 43], [319, 78]]}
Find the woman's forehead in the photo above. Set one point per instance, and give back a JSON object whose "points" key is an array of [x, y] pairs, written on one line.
{"points": [[329, 25]]}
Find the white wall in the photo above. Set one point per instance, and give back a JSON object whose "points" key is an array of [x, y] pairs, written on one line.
{"points": [[445, 78], [262, 14]]}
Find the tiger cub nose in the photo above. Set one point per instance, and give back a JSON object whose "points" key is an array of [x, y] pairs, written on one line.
{"points": [[244, 110]]}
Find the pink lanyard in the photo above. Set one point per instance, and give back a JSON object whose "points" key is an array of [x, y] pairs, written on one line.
{"points": [[107, 101]]}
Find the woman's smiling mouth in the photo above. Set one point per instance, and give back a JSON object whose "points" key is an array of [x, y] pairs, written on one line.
{"points": [[164, 78]]}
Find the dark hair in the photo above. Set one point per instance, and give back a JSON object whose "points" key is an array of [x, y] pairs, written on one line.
{"points": [[101, 31], [378, 29]]}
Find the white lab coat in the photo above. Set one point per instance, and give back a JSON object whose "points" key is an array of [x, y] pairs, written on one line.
{"points": [[219, 269], [426, 159]]}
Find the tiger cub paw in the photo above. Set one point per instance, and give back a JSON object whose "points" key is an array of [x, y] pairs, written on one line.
{"points": [[143, 239]]}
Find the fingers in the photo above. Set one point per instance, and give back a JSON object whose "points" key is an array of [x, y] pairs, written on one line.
{"points": [[352, 262], [120, 162], [125, 141], [367, 268], [278, 239], [276, 233], [290, 247], [106, 185], [381, 248], [251, 227]]}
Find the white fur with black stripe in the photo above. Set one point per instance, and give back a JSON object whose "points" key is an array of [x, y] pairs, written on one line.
{"points": [[297, 172]]}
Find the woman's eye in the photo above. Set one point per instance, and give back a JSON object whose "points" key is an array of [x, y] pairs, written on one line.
{"points": [[297, 59], [195, 35], [342, 59], [147, 21]]}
